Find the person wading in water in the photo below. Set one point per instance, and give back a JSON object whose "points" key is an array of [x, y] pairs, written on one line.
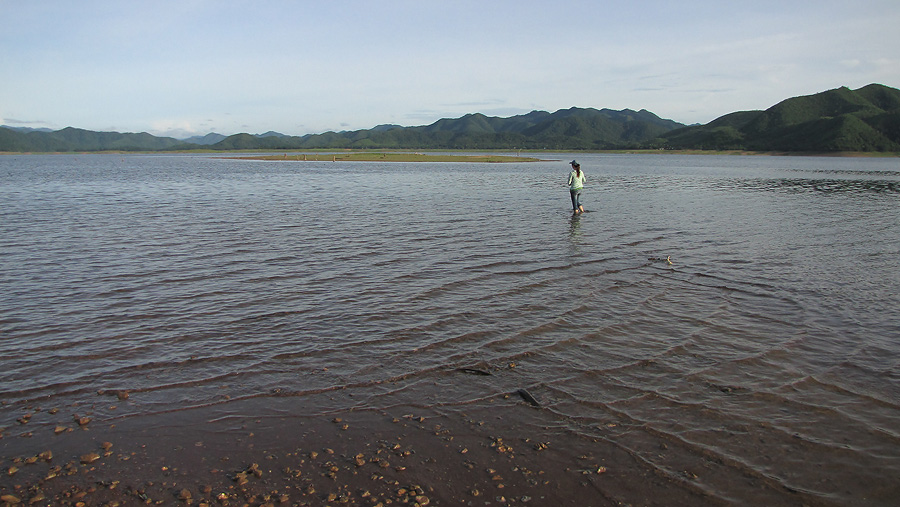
{"points": [[576, 184]]}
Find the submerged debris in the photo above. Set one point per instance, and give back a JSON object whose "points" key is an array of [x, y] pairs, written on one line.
{"points": [[474, 371]]}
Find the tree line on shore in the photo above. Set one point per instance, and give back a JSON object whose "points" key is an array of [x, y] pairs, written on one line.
{"points": [[862, 120]]}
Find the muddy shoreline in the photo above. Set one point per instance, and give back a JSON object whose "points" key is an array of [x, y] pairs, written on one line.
{"points": [[492, 455]]}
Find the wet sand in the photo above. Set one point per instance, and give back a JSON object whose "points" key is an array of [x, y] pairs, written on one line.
{"points": [[403, 456]]}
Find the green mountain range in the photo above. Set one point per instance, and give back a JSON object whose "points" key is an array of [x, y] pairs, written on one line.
{"points": [[574, 129], [867, 119]]}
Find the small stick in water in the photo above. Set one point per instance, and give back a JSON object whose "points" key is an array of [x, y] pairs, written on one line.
{"points": [[528, 397]]}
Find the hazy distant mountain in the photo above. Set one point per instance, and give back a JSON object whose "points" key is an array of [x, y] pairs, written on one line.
{"points": [[211, 138], [26, 129], [867, 119]]}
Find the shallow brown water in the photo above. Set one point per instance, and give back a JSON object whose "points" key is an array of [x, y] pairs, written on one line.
{"points": [[759, 366]]}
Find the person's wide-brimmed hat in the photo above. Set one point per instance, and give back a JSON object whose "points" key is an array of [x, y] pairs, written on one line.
{"points": [[574, 163]]}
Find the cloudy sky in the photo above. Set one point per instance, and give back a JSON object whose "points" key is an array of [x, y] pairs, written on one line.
{"points": [[187, 67]]}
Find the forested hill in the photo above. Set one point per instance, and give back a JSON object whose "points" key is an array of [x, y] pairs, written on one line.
{"points": [[867, 119]]}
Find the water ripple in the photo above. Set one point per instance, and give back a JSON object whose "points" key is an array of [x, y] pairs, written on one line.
{"points": [[726, 320]]}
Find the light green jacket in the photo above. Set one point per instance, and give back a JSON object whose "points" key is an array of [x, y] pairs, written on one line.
{"points": [[576, 182]]}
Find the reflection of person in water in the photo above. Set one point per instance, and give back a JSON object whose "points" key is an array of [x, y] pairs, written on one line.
{"points": [[574, 226], [576, 184]]}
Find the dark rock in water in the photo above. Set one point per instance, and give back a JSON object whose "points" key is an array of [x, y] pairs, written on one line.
{"points": [[528, 397]]}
